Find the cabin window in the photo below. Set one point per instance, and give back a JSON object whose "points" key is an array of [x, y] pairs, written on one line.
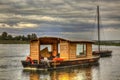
{"points": [[81, 50]]}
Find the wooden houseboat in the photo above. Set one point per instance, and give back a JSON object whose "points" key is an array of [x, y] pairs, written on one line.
{"points": [[64, 53]]}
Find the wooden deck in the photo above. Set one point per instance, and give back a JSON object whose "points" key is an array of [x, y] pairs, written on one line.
{"points": [[83, 58]]}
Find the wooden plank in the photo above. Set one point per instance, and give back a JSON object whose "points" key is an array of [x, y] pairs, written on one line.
{"points": [[34, 50], [89, 49], [72, 50]]}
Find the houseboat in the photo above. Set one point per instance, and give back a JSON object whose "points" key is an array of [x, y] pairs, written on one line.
{"points": [[64, 53]]}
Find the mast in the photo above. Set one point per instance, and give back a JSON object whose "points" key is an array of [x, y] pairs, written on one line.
{"points": [[98, 25]]}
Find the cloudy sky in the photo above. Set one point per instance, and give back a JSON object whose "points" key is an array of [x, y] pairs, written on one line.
{"points": [[71, 19]]}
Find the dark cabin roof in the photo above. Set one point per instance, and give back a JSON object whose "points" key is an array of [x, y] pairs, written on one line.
{"points": [[51, 40]]}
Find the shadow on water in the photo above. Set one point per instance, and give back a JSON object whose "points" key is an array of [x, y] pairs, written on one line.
{"points": [[75, 73]]}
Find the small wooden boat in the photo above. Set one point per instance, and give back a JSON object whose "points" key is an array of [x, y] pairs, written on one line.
{"points": [[103, 53], [64, 53]]}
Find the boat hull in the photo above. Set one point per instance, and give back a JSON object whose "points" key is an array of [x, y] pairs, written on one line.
{"points": [[61, 64], [105, 53]]}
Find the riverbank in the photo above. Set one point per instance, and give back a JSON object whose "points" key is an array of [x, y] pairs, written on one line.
{"points": [[13, 42], [27, 42], [109, 43]]}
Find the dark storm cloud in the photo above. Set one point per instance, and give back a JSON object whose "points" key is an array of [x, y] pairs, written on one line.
{"points": [[57, 15]]}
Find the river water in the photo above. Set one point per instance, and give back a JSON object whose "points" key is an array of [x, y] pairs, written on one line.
{"points": [[11, 68]]}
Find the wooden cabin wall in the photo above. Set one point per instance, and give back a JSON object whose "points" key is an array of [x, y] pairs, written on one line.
{"points": [[73, 47], [64, 50], [89, 49], [35, 50], [54, 49]]}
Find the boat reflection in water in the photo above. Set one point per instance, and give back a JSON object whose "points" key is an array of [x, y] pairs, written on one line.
{"points": [[64, 74]]}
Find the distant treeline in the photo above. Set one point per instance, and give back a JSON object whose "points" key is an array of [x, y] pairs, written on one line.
{"points": [[20, 38], [109, 42]]}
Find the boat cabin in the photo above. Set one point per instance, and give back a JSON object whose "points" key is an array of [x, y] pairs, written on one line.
{"points": [[61, 48]]}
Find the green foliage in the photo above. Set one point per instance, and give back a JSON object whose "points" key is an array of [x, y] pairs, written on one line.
{"points": [[7, 38], [32, 36], [4, 35], [110, 43]]}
